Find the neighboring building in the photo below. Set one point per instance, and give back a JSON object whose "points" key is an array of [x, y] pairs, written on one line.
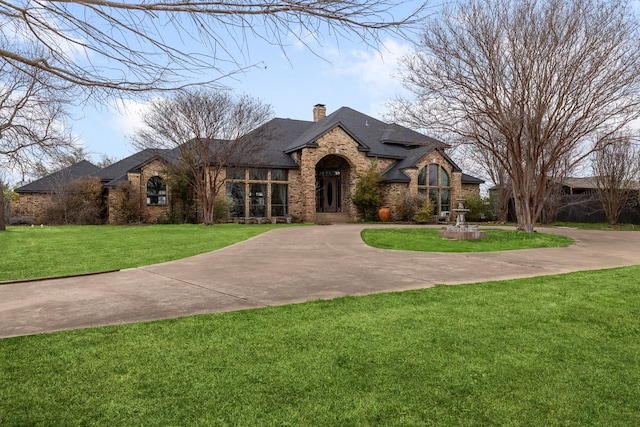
{"points": [[307, 172], [579, 202]]}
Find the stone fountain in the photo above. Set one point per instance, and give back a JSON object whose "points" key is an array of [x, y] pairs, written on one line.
{"points": [[462, 231]]}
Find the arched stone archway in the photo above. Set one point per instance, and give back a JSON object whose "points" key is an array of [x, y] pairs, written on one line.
{"points": [[333, 180]]}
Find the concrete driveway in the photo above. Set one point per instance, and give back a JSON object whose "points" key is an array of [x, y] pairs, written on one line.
{"points": [[284, 266]]}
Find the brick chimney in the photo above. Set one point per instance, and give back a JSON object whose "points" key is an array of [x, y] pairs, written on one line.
{"points": [[319, 112]]}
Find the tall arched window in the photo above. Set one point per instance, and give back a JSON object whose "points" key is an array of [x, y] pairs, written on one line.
{"points": [[433, 181], [156, 191]]}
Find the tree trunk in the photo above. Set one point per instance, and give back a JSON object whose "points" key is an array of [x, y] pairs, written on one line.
{"points": [[504, 197], [208, 212], [3, 220], [525, 215]]}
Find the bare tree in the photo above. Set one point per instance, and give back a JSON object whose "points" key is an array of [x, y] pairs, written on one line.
{"points": [[534, 83], [208, 133], [616, 170], [105, 160], [32, 121], [59, 160], [139, 46]]}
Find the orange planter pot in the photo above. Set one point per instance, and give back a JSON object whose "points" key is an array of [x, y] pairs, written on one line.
{"points": [[384, 214]]}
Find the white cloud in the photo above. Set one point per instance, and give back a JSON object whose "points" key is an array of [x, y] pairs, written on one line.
{"points": [[127, 116], [373, 70]]}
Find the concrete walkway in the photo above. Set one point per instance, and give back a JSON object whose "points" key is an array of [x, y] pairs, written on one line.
{"points": [[285, 266]]}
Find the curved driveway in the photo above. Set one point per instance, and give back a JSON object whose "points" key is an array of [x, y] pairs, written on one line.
{"points": [[283, 266]]}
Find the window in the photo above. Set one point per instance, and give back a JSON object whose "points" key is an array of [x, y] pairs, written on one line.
{"points": [[235, 173], [257, 174], [433, 181], [279, 199], [279, 175], [265, 192], [257, 200], [156, 191], [235, 191]]}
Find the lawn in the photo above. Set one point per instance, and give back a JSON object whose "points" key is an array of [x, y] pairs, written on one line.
{"points": [[428, 240], [30, 253], [36, 252], [549, 351]]}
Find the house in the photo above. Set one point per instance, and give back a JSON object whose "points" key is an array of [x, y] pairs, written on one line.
{"points": [[307, 170]]}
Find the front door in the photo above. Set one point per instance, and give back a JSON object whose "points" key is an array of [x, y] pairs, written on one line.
{"points": [[330, 199], [328, 192]]}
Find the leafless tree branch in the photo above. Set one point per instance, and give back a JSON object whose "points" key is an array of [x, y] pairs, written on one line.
{"points": [[32, 117], [616, 169], [143, 46]]}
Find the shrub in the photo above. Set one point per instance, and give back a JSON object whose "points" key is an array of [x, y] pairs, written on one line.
{"points": [[21, 220], [78, 202], [479, 208], [405, 205], [368, 194], [127, 204], [222, 209], [182, 202], [424, 215]]}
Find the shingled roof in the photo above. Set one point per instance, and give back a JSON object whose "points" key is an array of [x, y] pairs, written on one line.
{"points": [[376, 138], [279, 138], [51, 183], [117, 171]]}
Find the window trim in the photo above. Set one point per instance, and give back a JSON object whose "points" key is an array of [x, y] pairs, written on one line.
{"points": [[157, 191], [250, 200], [425, 179]]}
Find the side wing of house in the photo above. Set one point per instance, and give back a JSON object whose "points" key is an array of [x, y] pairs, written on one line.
{"points": [[35, 198]]}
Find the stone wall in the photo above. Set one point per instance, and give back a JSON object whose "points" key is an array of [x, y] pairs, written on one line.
{"points": [[470, 190], [334, 143], [33, 205], [151, 213], [138, 193]]}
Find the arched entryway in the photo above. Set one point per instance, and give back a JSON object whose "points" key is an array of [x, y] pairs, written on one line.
{"points": [[333, 174]]}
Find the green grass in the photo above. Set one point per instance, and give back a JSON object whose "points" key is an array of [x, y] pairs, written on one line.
{"points": [[550, 351], [29, 253], [428, 240]]}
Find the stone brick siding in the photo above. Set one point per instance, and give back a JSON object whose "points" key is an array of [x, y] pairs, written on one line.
{"points": [[33, 205], [114, 197], [151, 213], [335, 143]]}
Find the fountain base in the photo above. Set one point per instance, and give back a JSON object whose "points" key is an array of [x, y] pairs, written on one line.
{"points": [[466, 232], [462, 231]]}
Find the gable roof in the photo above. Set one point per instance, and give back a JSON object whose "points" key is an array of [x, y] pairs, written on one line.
{"points": [[119, 169], [377, 138], [52, 182]]}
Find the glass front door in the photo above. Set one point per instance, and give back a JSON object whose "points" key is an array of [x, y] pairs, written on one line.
{"points": [[328, 194]]}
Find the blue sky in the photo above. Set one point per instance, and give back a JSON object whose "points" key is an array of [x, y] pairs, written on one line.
{"points": [[338, 73]]}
